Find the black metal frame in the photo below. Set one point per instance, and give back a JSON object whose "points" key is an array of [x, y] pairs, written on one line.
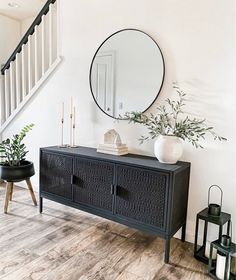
{"points": [[174, 217], [227, 252], [90, 71], [199, 252], [30, 31]]}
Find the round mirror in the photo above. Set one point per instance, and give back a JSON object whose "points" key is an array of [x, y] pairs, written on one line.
{"points": [[126, 73]]}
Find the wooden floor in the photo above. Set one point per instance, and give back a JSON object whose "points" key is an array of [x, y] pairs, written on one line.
{"points": [[67, 244]]}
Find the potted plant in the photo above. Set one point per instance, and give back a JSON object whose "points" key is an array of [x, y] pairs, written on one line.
{"points": [[170, 125], [13, 166]]}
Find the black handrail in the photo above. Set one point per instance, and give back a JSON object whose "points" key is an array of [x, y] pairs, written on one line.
{"points": [[30, 31]]}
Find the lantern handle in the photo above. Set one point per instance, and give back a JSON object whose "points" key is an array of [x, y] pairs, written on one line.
{"points": [[209, 193]]}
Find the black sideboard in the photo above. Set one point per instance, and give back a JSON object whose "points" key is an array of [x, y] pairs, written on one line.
{"points": [[133, 190]]}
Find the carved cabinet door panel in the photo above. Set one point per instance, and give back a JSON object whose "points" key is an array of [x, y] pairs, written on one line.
{"points": [[142, 195], [92, 183], [55, 174]]}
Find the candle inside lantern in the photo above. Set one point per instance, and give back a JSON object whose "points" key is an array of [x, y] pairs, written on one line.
{"points": [[220, 267], [207, 250]]}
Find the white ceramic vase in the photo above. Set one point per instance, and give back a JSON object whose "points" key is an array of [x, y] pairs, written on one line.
{"points": [[168, 148]]}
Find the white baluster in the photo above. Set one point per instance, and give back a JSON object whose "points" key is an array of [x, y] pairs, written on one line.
{"points": [[43, 43], [7, 93], [50, 34], [23, 70], [2, 99], [36, 53], [29, 65], [18, 84], [12, 86], [58, 51]]}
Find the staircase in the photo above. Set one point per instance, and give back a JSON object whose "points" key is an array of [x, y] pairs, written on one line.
{"points": [[31, 63]]}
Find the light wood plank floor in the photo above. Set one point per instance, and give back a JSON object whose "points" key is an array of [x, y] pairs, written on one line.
{"points": [[67, 244]]}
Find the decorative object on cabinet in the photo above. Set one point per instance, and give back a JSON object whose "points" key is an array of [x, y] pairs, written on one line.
{"points": [[126, 73], [226, 251], [167, 122], [14, 167], [168, 148], [62, 127], [112, 144], [134, 190], [210, 215], [72, 117]]}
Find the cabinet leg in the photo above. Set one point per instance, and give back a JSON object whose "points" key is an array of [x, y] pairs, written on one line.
{"points": [[167, 250], [196, 236], [40, 204], [183, 233]]}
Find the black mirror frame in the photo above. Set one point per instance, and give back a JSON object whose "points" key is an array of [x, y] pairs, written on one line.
{"points": [[90, 71]]}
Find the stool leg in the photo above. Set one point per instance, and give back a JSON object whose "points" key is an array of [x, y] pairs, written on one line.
{"points": [[11, 192], [31, 191], [7, 198]]}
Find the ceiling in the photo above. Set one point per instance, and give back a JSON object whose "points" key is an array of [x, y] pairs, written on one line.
{"points": [[25, 9]]}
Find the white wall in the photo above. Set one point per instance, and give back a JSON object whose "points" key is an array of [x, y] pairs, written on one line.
{"points": [[25, 24], [9, 37], [198, 43]]}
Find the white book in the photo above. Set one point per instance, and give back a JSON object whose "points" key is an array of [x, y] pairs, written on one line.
{"points": [[112, 152], [114, 146], [108, 148]]}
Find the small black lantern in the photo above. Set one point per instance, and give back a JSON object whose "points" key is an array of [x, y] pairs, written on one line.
{"points": [[211, 214], [226, 250]]}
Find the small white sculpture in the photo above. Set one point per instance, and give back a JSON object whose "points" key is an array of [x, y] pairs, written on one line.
{"points": [[112, 137], [112, 144]]}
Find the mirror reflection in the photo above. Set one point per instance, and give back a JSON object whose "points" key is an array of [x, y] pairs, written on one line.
{"points": [[126, 73]]}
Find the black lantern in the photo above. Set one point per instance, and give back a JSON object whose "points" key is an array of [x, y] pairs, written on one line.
{"points": [[211, 214], [226, 251]]}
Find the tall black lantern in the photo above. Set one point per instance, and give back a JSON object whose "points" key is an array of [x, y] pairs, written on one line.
{"points": [[211, 214]]}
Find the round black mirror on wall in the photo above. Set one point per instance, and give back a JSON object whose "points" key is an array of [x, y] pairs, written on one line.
{"points": [[126, 73]]}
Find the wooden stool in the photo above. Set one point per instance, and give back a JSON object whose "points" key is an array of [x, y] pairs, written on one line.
{"points": [[9, 192]]}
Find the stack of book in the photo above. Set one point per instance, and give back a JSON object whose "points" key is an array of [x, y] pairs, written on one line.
{"points": [[113, 149]]}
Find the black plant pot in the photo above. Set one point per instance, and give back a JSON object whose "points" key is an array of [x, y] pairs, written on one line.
{"points": [[17, 173]]}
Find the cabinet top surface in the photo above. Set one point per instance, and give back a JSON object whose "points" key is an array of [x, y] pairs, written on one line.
{"points": [[133, 159]]}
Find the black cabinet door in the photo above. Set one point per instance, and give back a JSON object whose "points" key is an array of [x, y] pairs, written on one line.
{"points": [[55, 174], [92, 183], [142, 195]]}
